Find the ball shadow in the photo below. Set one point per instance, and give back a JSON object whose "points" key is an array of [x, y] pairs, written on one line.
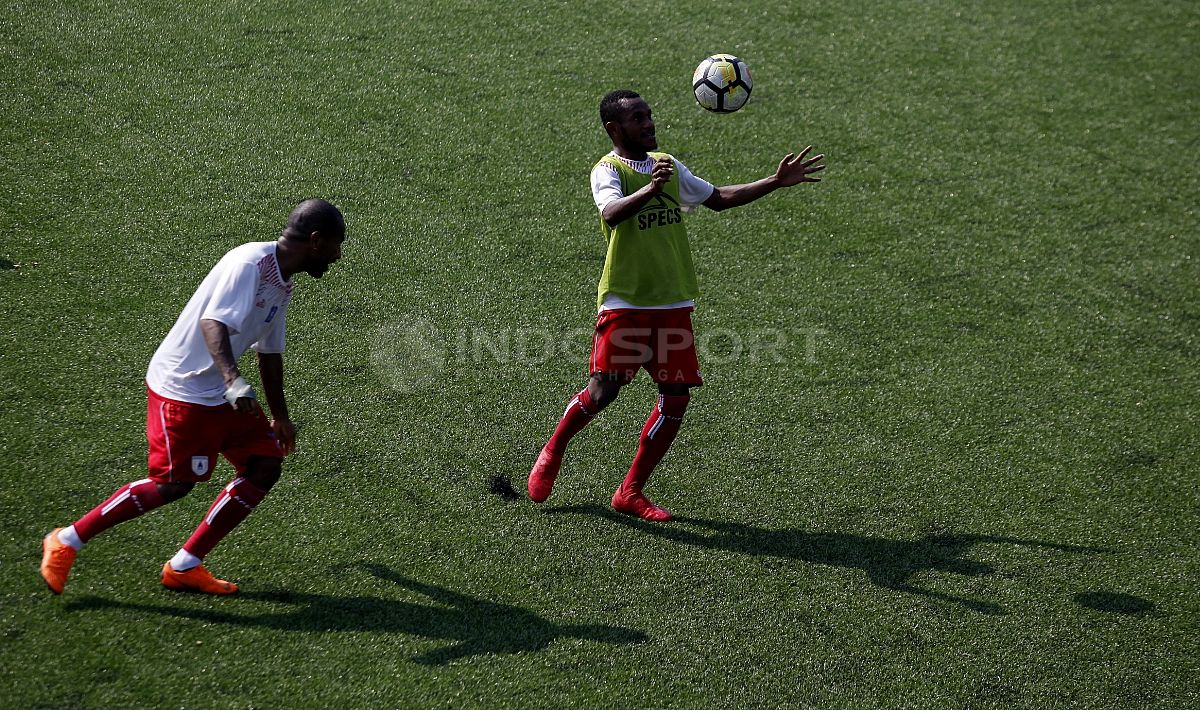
{"points": [[1114, 603]]}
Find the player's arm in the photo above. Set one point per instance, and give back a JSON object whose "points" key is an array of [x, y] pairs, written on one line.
{"points": [[239, 394], [270, 369], [622, 209], [793, 170]]}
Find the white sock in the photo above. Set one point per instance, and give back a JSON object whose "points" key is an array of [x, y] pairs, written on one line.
{"points": [[69, 537], [184, 561]]}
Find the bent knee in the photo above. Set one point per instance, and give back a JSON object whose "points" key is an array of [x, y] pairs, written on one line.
{"points": [[674, 390], [604, 388], [263, 471], [174, 491]]}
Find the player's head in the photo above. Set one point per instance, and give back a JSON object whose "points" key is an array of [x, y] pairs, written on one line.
{"points": [[627, 119], [319, 229]]}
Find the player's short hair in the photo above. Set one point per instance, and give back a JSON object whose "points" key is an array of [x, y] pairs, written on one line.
{"points": [[610, 105], [313, 215]]}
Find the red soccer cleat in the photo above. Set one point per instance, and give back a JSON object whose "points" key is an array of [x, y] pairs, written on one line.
{"points": [[639, 506], [57, 559], [541, 478], [196, 579]]}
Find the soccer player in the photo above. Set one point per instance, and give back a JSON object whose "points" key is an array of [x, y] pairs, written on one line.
{"points": [[647, 290], [199, 405]]}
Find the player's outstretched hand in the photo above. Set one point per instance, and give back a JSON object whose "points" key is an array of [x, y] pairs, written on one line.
{"points": [[285, 434], [795, 169]]}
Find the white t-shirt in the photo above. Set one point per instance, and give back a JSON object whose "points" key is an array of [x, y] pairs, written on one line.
{"points": [[246, 292], [606, 188]]}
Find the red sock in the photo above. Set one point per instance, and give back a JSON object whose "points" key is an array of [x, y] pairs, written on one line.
{"points": [[579, 412], [236, 501], [128, 502], [660, 430]]}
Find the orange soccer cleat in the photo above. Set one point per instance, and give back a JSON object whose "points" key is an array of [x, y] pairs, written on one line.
{"points": [[638, 505], [196, 579], [57, 558]]}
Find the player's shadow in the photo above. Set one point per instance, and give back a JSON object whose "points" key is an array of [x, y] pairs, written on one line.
{"points": [[887, 563], [475, 626]]}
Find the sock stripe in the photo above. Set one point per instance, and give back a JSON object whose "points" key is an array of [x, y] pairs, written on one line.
{"points": [[127, 502], [229, 494], [577, 401], [657, 425], [222, 517], [574, 401], [137, 499], [216, 509], [573, 420], [115, 502], [662, 402]]}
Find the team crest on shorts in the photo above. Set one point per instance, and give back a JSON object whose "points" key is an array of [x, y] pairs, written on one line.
{"points": [[200, 465]]}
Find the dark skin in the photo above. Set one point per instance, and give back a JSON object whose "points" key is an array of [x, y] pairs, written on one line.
{"points": [[633, 137], [313, 257]]}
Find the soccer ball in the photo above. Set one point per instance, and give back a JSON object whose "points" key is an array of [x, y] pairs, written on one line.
{"points": [[722, 83]]}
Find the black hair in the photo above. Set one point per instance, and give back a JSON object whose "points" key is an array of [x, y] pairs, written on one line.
{"points": [[313, 215], [610, 105]]}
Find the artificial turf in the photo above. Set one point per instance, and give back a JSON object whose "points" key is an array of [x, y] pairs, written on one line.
{"points": [[945, 455]]}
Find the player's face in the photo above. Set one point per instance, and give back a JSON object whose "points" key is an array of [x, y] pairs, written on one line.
{"points": [[636, 124], [325, 251]]}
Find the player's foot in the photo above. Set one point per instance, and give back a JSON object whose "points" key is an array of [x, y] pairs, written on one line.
{"points": [[57, 558], [541, 478], [196, 579], [638, 505]]}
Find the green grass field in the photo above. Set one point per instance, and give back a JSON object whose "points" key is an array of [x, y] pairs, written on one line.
{"points": [[945, 456]]}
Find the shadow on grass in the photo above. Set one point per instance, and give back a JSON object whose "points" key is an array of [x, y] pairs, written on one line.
{"points": [[887, 563], [1114, 603], [477, 625]]}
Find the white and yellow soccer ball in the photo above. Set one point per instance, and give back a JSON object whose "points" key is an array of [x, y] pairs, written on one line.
{"points": [[722, 83]]}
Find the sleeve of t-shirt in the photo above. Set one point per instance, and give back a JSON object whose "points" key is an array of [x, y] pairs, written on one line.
{"points": [[693, 191], [233, 294], [606, 185], [272, 340]]}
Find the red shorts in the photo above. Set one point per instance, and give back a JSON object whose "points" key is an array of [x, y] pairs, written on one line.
{"points": [[185, 439], [657, 340]]}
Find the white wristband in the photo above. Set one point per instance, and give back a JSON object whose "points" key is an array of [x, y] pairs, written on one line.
{"points": [[239, 389]]}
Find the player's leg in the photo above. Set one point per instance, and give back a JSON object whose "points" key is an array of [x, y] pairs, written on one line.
{"points": [[235, 502], [676, 370], [251, 448], [618, 350], [601, 390], [177, 450], [185, 571], [659, 432], [61, 545], [126, 503]]}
